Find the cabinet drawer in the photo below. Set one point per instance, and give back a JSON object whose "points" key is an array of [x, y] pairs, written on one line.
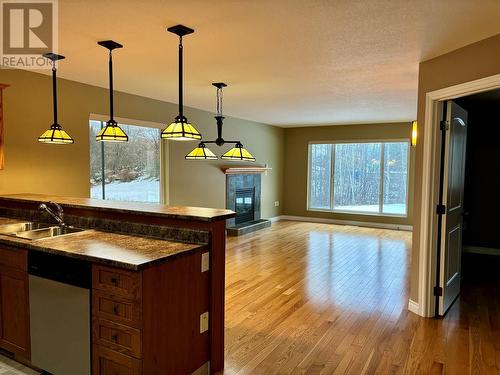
{"points": [[116, 308], [116, 281], [14, 258], [108, 362], [116, 336]]}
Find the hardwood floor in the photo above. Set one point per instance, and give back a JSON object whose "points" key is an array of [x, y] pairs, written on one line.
{"points": [[305, 298], [10, 367]]}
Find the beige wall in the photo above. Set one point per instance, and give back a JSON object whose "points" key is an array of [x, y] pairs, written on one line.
{"points": [[478, 60], [64, 169], [296, 164]]}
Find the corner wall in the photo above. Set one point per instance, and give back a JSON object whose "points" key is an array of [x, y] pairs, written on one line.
{"points": [[475, 61], [64, 169]]}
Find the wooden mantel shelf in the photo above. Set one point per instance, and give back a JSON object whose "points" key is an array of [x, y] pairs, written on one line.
{"points": [[242, 170]]}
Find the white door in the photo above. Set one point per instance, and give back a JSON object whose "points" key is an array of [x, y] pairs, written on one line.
{"points": [[453, 198]]}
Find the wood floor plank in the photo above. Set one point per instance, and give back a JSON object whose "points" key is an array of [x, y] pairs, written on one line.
{"points": [[304, 298]]}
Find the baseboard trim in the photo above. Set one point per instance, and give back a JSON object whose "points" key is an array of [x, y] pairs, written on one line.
{"points": [[343, 222], [274, 219], [481, 250], [413, 307]]}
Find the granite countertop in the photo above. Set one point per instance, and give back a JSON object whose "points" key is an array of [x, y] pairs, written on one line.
{"points": [[117, 250], [151, 209]]}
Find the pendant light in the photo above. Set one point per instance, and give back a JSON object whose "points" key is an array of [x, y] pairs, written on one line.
{"points": [[238, 152], [181, 129], [111, 132], [55, 135], [201, 153]]}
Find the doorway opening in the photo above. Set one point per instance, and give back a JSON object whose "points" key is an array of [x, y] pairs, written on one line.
{"points": [[427, 228], [468, 200]]}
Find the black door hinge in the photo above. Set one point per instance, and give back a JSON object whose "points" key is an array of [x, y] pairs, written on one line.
{"points": [[444, 125], [438, 291], [440, 209]]}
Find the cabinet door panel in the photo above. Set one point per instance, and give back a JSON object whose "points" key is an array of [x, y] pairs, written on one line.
{"points": [[109, 362], [14, 304]]}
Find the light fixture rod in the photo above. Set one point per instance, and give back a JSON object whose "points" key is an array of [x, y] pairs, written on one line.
{"points": [[54, 57], [180, 31], [181, 97], [110, 45], [54, 90], [111, 110], [219, 129]]}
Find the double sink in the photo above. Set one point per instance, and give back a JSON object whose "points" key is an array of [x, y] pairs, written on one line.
{"points": [[36, 231]]}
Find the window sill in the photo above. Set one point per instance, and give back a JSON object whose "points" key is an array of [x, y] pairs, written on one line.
{"points": [[357, 213]]}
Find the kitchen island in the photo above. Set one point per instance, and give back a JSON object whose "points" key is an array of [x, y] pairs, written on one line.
{"points": [[156, 284]]}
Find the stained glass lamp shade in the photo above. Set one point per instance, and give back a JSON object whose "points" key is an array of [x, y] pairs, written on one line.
{"points": [[180, 130], [201, 153], [238, 152], [112, 133], [55, 135]]}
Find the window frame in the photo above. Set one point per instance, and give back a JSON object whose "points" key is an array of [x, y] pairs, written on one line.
{"points": [[164, 171], [382, 171]]}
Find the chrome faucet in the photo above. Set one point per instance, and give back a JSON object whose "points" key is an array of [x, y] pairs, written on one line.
{"points": [[58, 216]]}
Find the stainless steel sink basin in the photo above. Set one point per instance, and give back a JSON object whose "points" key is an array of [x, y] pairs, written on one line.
{"points": [[38, 234], [21, 227]]}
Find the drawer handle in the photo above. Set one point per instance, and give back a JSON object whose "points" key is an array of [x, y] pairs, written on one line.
{"points": [[114, 338], [114, 280], [115, 309]]}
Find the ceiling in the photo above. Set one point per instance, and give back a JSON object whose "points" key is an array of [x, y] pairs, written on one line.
{"points": [[287, 62]]}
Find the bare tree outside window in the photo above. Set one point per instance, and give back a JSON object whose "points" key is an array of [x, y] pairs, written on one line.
{"points": [[320, 170], [131, 170], [357, 177], [368, 177]]}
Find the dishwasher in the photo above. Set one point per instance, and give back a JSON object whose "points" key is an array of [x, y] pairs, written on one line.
{"points": [[59, 290]]}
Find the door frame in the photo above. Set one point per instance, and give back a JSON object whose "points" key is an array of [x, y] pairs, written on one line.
{"points": [[430, 186]]}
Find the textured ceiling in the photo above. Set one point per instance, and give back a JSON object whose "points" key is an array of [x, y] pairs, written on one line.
{"points": [[287, 62]]}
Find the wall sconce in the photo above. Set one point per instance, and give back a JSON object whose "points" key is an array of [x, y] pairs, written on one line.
{"points": [[414, 126]]}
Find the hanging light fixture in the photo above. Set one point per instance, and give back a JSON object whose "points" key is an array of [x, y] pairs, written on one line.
{"points": [[181, 129], [55, 135], [201, 153], [414, 127], [111, 132], [238, 152]]}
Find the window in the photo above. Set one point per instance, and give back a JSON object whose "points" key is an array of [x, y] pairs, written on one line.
{"points": [[128, 171], [369, 177]]}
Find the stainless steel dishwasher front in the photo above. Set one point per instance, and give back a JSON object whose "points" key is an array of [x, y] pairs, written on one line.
{"points": [[59, 289]]}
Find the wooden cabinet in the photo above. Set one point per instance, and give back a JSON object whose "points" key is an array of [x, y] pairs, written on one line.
{"points": [[126, 340], [148, 322], [115, 281], [110, 362], [117, 308], [14, 302]]}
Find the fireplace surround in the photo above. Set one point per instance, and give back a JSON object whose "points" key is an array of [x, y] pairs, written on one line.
{"points": [[243, 195]]}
